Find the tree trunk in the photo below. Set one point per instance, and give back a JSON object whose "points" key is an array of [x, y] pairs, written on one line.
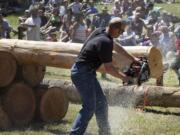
{"points": [[62, 55], [8, 68], [53, 103], [19, 103], [127, 95]]}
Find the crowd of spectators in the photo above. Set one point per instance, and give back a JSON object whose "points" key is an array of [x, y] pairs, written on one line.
{"points": [[73, 21]]}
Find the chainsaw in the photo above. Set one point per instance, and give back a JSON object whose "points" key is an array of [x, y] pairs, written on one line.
{"points": [[139, 72]]}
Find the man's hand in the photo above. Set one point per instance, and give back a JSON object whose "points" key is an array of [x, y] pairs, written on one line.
{"points": [[127, 79]]}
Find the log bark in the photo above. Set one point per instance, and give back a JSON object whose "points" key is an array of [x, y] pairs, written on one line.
{"points": [[53, 104], [33, 74], [8, 68], [127, 95], [62, 55], [19, 103]]}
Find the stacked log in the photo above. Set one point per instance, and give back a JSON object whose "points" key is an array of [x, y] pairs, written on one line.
{"points": [[59, 54], [127, 95], [18, 86], [19, 103], [53, 104], [7, 68]]}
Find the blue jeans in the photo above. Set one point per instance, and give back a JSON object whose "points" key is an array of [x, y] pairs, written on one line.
{"points": [[93, 100]]}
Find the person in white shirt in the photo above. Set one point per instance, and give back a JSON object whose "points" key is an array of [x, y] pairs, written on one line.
{"points": [[32, 25]]}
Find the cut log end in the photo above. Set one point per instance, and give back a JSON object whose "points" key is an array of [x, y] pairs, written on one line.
{"points": [[54, 105], [155, 62], [33, 74], [19, 103], [7, 68]]}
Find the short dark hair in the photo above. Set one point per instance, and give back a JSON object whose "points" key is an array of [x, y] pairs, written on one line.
{"points": [[116, 22]]}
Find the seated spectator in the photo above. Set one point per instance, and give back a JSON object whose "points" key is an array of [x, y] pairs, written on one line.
{"points": [[128, 38], [152, 14], [126, 8], [137, 24], [103, 18], [52, 37], [51, 3], [117, 10], [163, 20], [137, 3], [146, 37], [85, 5], [53, 23]]}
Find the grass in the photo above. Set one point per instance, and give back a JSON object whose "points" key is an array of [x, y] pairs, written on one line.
{"points": [[124, 121]]}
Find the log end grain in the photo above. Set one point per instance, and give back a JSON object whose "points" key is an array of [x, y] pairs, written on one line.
{"points": [[7, 68], [33, 74], [54, 105], [155, 62], [19, 103]]}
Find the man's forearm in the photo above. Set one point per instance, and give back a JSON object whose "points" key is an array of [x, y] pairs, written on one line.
{"points": [[110, 69]]}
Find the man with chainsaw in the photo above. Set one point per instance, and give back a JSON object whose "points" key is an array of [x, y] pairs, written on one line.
{"points": [[97, 50]]}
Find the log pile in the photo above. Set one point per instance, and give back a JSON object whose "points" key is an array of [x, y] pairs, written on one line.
{"points": [[21, 96], [22, 68]]}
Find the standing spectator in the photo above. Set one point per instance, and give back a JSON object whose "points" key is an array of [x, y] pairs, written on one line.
{"points": [[167, 40], [79, 30], [33, 24], [5, 28], [63, 8], [104, 17], [22, 19], [75, 7], [65, 28], [137, 24], [43, 17], [91, 9]]}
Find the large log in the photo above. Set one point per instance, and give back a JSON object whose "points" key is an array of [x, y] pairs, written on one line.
{"points": [[62, 55], [7, 68], [5, 122], [52, 103], [127, 95], [33, 74], [19, 103]]}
